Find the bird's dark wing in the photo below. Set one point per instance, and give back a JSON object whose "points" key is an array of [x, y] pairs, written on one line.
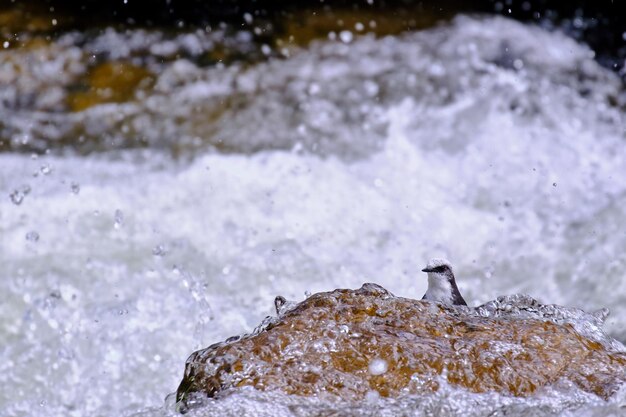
{"points": [[459, 301]]}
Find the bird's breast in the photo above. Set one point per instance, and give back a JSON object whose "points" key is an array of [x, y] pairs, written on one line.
{"points": [[439, 290]]}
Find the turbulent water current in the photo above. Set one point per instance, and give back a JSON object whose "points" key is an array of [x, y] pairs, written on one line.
{"points": [[498, 145]]}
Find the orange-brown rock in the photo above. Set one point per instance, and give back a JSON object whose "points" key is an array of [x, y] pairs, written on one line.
{"points": [[349, 343]]}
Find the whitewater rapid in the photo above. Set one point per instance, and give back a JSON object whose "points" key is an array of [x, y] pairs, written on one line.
{"points": [[495, 144]]}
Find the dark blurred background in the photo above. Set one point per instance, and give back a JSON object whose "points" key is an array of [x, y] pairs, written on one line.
{"points": [[601, 23]]}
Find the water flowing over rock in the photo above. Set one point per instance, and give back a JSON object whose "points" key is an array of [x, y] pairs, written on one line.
{"points": [[356, 343]]}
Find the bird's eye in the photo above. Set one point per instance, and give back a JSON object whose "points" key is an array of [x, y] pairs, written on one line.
{"points": [[440, 268]]}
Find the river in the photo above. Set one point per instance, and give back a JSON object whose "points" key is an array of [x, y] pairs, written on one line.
{"points": [[355, 159]]}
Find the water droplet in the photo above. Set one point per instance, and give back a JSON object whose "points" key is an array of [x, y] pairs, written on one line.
{"points": [[554, 184], [266, 49], [346, 36], [45, 169], [377, 367], [75, 187], [119, 219], [314, 88], [32, 236], [159, 250], [17, 196], [372, 397], [371, 88], [307, 294]]}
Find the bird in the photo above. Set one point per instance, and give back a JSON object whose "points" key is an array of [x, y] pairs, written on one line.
{"points": [[441, 283]]}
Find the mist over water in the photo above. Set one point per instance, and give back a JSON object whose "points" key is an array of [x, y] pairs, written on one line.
{"points": [[495, 144]]}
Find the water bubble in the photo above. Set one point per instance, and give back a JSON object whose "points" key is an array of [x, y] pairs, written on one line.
{"points": [[5, 44], [307, 294], [247, 17], [32, 236], [17, 196], [377, 366], [266, 49], [554, 184], [119, 219], [75, 187], [359, 26]]}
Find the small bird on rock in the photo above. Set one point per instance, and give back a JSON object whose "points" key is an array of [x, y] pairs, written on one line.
{"points": [[441, 284]]}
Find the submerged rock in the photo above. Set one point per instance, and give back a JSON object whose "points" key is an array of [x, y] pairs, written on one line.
{"points": [[356, 343]]}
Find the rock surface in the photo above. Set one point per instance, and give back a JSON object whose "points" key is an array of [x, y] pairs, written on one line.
{"points": [[355, 343]]}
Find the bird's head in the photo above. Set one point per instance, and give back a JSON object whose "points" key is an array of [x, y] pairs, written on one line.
{"points": [[439, 269]]}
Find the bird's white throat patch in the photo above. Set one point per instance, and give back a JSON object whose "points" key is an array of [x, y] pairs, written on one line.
{"points": [[439, 288]]}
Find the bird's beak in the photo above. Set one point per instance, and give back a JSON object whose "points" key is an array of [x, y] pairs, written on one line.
{"points": [[427, 270]]}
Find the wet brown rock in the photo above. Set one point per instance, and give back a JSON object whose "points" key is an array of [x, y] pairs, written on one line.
{"points": [[111, 82], [333, 343], [304, 26]]}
